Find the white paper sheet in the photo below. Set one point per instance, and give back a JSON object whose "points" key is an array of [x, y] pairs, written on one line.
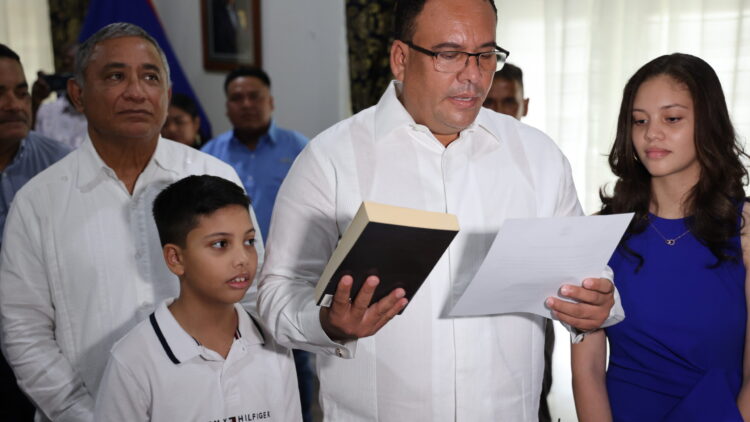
{"points": [[530, 259]]}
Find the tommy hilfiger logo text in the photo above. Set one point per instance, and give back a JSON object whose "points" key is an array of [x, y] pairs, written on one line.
{"points": [[246, 417]]}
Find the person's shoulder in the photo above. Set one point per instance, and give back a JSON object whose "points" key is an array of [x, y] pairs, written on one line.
{"points": [[346, 131], [510, 129], [534, 138], [292, 137], [135, 344], [50, 108], [188, 161], [256, 333], [52, 179], [218, 142], [49, 147], [139, 352]]}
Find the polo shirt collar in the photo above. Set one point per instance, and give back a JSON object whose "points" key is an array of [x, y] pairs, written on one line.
{"points": [[91, 167], [390, 114], [249, 328], [180, 347]]}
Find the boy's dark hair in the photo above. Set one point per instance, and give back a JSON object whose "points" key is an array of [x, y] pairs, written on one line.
{"points": [[246, 71], [510, 72], [185, 103], [7, 53], [178, 207], [405, 14]]}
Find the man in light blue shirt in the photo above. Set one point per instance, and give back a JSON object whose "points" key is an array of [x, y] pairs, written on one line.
{"points": [[34, 153], [262, 154], [23, 154], [259, 151]]}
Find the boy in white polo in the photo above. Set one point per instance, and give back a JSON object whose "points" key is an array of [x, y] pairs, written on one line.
{"points": [[201, 357]]}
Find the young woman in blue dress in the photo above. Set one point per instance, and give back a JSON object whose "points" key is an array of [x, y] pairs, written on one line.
{"points": [[681, 354]]}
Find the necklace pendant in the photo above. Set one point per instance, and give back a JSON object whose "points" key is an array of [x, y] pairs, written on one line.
{"points": [[669, 242]]}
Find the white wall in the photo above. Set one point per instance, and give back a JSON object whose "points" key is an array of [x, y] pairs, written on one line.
{"points": [[34, 47], [304, 53]]}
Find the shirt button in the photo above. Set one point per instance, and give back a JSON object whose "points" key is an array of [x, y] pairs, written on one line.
{"points": [[339, 353]]}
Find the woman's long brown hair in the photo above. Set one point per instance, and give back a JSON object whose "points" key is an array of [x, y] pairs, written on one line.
{"points": [[714, 204]]}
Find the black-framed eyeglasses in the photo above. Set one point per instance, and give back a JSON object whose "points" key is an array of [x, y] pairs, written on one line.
{"points": [[456, 61]]}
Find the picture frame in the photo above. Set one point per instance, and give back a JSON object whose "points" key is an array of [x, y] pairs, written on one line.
{"points": [[231, 34]]}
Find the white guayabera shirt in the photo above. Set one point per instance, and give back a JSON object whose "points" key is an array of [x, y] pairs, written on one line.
{"points": [[423, 365], [81, 265]]}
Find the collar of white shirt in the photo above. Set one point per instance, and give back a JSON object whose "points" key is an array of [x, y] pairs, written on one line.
{"points": [[390, 114], [181, 346], [91, 167]]}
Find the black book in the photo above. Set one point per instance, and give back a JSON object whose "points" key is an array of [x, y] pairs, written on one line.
{"points": [[399, 245]]}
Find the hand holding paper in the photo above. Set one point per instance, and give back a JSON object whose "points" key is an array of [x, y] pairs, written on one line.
{"points": [[593, 301], [530, 259]]}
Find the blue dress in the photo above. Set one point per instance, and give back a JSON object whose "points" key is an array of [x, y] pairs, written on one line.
{"points": [[678, 354]]}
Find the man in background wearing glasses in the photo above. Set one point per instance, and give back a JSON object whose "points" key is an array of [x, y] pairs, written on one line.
{"points": [[427, 144]]}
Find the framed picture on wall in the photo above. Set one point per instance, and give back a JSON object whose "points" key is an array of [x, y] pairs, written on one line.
{"points": [[231, 33]]}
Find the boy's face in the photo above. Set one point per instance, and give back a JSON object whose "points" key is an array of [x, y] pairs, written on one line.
{"points": [[218, 262]]}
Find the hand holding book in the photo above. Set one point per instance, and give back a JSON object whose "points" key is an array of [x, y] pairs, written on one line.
{"points": [[381, 260], [349, 320], [398, 245]]}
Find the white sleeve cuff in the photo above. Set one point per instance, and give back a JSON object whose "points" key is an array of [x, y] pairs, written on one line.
{"points": [[616, 314], [318, 340]]}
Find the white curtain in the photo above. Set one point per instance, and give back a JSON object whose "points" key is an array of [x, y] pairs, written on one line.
{"points": [[577, 55], [25, 28]]}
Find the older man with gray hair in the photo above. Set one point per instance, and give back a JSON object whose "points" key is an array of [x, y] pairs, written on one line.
{"points": [[81, 261]]}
